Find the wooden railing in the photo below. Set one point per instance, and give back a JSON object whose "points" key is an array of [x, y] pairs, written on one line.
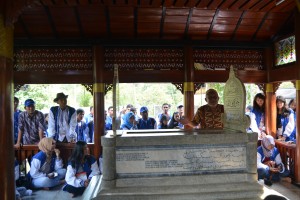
{"points": [[288, 156], [28, 151]]}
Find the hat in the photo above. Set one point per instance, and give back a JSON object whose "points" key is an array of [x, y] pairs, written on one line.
{"points": [[144, 109], [60, 96], [280, 98], [29, 102]]}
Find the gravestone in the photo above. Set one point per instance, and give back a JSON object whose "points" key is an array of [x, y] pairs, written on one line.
{"points": [[234, 104]]}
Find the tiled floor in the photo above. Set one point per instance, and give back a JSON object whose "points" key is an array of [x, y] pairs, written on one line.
{"points": [[282, 188]]}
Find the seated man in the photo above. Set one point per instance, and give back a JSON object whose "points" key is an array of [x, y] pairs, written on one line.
{"points": [[269, 164], [31, 125], [62, 120], [208, 116], [146, 122]]}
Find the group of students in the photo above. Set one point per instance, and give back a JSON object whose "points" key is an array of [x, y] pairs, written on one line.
{"points": [[209, 116], [46, 169], [63, 123], [131, 121], [285, 120], [269, 163]]}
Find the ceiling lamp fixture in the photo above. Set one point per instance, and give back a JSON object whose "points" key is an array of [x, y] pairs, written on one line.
{"points": [[277, 2]]}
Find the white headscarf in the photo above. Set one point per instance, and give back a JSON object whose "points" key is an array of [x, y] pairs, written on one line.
{"points": [[266, 141]]}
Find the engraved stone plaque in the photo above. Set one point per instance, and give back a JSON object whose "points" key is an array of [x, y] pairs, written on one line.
{"points": [[179, 160], [234, 104]]}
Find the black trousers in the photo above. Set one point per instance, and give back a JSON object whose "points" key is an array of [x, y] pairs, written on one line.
{"points": [[74, 190]]}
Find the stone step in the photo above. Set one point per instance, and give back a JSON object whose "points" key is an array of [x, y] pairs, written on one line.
{"points": [[241, 190], [186, 180]]}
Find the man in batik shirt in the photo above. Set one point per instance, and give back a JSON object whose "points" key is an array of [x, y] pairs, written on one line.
{"points": [[208, 116], [31, 125]]}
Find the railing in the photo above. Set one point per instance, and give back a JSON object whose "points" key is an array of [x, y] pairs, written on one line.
{"points": [[288, 156], [28, 151]]}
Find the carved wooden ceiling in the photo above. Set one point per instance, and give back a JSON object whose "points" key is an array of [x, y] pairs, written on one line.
{"points": [[228, 20]]}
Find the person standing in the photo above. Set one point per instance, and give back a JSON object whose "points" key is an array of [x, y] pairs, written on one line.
{"points": [[82, 129], [165, 111], [90, 116], [31, 125], [285, 123], [257, 116], [208, 116], [146, 122], [62, 120], [16, 119]]}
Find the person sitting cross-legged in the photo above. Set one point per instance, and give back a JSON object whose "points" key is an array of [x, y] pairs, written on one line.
{"points": [[46, 168], [81, 168]]}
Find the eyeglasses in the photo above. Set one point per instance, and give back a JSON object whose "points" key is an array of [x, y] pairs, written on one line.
{"points": [[166, 107]]}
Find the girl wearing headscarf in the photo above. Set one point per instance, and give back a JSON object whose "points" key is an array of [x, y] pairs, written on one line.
{"points": [[163, 122], [269, 161], [257, 116], [285, 123], [46, 168], [174, 122], [81, 168], [129, 122]]}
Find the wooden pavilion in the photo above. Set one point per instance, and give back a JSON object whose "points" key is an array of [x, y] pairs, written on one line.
{"points": [[79, 41]]}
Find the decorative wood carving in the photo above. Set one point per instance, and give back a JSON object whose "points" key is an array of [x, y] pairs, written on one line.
{"points": [[53, 59], [144, 58], [222, 59], [197, 86], [108, 87], [88, 87], [179, 86], [17, 88], [262, 87], [276, 86]]}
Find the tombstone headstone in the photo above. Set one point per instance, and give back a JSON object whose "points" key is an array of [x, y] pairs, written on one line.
{"points": [[234, 104]]}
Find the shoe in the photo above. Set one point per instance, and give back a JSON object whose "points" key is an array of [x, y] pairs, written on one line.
{"points": [[267, 182], [28, 192]]}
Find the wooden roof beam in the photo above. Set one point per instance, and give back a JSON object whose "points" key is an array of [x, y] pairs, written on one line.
{"points": [[260, 25], [51, 21]]}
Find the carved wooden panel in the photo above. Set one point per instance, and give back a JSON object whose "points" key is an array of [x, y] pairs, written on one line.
{"points": [[88, 87], [212, 59], [144, 58], [53, 59], [197, 86]]}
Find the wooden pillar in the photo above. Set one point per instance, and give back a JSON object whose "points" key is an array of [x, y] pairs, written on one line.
{"points": [[99, 93], [270, 110], [297, 47], [297, 161], [188, 85], [7, 186]]}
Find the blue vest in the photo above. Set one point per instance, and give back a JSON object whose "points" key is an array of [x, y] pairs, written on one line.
{"points": [[54, 110], [86, 166], [258, 115], [148, 124], [273, 156], [80, 131]]}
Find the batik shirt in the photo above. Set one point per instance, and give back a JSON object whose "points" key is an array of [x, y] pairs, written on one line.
{"points": [[30, 126], [209, 119]]}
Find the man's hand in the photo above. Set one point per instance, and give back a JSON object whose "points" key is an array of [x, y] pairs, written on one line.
{"points": [[274, 170], [86, 182], [17, 145], [50, 175]]}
